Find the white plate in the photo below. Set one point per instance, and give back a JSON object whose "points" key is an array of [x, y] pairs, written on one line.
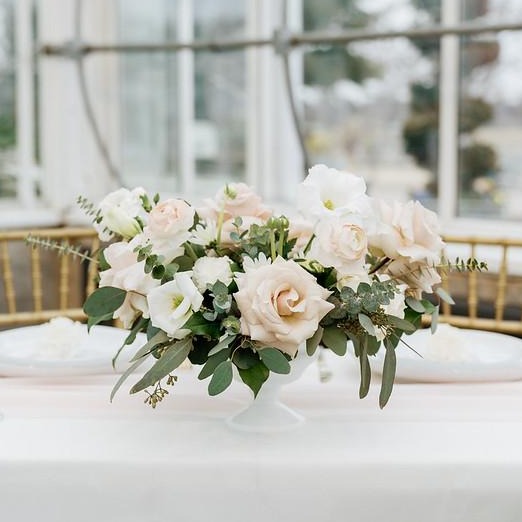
{"points": [[20, 355], [485, 356]]}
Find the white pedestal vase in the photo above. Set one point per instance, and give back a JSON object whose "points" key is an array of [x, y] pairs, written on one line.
{"points": [[266, 413]]}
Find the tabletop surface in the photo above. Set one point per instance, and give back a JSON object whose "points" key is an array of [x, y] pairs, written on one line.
{"points": [[437, 452]]}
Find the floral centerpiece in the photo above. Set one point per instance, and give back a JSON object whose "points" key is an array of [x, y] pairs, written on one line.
{"points": [[231, 284]]}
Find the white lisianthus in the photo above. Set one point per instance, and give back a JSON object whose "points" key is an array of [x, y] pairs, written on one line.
{"points": [[208, 270], [172, 304], [327, 191], [341, 244], [281, 304], [409, 231], [119, 211], [127, 273]]}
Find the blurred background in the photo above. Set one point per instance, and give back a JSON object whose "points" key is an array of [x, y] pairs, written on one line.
{"points": [[418, 112]]}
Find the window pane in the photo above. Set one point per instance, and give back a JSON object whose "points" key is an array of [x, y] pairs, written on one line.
{"points": [[219, 132], [7, 100], [490, 116], [372, 107], [148, 97]]}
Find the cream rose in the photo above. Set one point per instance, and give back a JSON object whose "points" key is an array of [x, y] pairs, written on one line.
{"points": [[409, 230], [127, 273], [168, 228], [340, 244], [170, 218], [281, 304], [235, 199]]}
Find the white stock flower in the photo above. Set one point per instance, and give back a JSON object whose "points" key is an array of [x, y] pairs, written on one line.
{"points": [[172, 304], [341, 244], [327, 191], [127, 273], [208, 270], [281, 304], [119, 211]]}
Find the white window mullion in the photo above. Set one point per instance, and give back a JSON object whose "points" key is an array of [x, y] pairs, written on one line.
{"points": [[448, 115], [185, 67], [25, 108]]}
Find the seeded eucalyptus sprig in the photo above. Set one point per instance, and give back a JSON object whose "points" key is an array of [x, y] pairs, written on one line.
{"points": [[470, 264], [63, 248]]}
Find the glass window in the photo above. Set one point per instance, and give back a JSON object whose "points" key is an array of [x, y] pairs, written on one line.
{"points": [[490, 115], [7, 100], [371, 106], [148, 86], [219, 132]]}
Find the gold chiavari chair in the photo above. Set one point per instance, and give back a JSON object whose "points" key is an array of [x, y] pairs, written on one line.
{"points": [[485, 300], [37, 284]]}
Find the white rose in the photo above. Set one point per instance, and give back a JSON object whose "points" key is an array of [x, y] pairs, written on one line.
{"points": [[172, 304], [127, 273], [327, 191], [410, 231], [235, 199], [281, 304], [340, 244], [208, 270], [119, 211]]}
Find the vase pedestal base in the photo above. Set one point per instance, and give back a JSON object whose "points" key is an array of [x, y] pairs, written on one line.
{"points": [[265, 417]]}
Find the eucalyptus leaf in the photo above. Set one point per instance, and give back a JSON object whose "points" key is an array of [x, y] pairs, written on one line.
{"points": [[364, 364], [224, 343], [221, 378], [388, 374], [401, 324], [159, 338], [212, 363], [335, 339], [445, 296], [434, 320], [92, 321], [415, 304], [313, 342], [171, 358], [274, 360], [103, 301], [254, 377], [123, 377], [366, 323], [245, 358], [198, 325]]}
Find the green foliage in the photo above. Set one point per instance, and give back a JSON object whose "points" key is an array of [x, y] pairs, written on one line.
{"points": [[172, 357], [103, 301], [274, 360]]}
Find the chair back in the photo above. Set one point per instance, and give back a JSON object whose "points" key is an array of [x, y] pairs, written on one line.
{"points": [[37, 284], [485, 300]]}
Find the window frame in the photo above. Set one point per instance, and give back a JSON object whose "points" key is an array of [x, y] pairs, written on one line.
{"points": [[272, 147]]}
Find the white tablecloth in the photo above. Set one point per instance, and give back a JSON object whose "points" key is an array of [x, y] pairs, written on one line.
{"points": [[437, 452]]}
